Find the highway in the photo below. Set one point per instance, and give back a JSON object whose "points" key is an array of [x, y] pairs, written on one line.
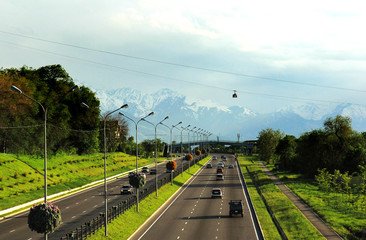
{"points": [[193, 214], [76, 209]]}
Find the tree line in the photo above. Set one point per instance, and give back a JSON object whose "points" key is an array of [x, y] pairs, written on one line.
{"points": [[334, 147], [72, 126]]}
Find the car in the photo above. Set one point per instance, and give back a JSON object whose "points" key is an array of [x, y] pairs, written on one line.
{"points": [[216, 193], [236, 208], [223, 157], [169, 171], [231, 166], [214, 158], [221, 164], [220, 177], [126, 189], [153, 171], [209, 165], [131, 174], [219, 170], [145, 170]]}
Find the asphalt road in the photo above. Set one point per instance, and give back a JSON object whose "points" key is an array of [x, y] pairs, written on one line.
{"points": [[76, 210], [193, 214]]}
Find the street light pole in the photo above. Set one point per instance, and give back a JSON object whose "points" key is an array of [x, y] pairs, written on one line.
{"points": [[137, 149], [181, 144], [105, 166], [156, 152]]}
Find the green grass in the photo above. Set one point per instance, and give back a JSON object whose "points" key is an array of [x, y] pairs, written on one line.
{"points": [[131, 220], [293, 223], [21, 178], [268, 227], [344, 213]]}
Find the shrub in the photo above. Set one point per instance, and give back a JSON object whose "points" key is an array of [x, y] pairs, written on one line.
{"points": [[24, 174], [171, 165], [137, 180], [198, 152], [44, 218], [189, 157]]}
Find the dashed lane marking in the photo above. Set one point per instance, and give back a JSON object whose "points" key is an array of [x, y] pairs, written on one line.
{"points": [[29, 239], [67, 207], [185, 223], [77, 203], [85, 199], [84, 211], [182, 229], [95, 206], [12, 231], [73, 217], [178, 237]]}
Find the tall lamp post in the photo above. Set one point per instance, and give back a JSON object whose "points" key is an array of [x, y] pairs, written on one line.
{"points": [[156, 152], [137, 149], [105, 166], [18, 90], [181, 143]]}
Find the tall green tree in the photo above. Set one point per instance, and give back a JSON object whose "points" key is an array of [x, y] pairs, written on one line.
{"points": [[267, 143], [286, 151]]}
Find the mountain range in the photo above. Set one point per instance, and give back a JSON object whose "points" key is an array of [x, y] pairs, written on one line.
{"points": [[225, 122]]}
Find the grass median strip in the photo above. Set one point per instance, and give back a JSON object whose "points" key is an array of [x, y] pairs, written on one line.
{"points": [[292, 221], [126, 224], [268, 227]]}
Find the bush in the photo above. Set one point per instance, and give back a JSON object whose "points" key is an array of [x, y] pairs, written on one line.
{"points": [[137, 180], [171, 165], [189, 157], [44, 218], [198, 152]]}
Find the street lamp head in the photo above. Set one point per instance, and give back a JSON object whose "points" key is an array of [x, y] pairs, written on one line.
{"points": [[180, 122], [166, 118], [121, 114], [188, 125], [15, 89], [124, 106], [150, 114]]}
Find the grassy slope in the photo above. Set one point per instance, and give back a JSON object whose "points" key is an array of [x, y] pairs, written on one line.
{"points": [[336, 209], [131, 220], [21, 177], [268, 227], [294, 224]]}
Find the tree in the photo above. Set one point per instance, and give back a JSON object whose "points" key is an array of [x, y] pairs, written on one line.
{"points": [[171, 165], [286, 150], [267, 143]]}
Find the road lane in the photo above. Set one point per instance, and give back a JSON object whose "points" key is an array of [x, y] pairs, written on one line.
{"points": [[76, 209], [194, 215]]}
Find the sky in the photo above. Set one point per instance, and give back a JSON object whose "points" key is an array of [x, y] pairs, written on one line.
{"points": [[273, 53]]}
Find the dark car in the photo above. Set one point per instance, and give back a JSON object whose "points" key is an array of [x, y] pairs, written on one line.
{"points": [[236, 208], [209, 165], [145, 170], [231, 166], [126, 189], [153, 171]]}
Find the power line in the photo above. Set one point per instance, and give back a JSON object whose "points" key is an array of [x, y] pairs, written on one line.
{"points": [[176, 79], [182, 65]]}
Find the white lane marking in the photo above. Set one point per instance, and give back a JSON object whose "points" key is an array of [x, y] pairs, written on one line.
{"points": [[84, 211], [29, 239], [246, 200], [182, 229], [157, 219], [217, 229], [220, 212], [12, 231], [73, 217], [216, 237], [77, 203], [67, 207], [95, 206], [93, 196], [195, 205], [185, 223], [191, 212], [85, 199], [178, 237]]}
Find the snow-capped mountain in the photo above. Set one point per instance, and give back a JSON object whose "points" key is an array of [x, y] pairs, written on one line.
{"points": [[226, 121]]}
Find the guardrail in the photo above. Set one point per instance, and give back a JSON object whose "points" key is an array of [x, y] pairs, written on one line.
{"points": [[90, 227]]}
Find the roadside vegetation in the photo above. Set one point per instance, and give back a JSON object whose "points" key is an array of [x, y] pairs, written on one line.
{"points": [[291, 220], [268, 227], [21, 178], [131, 220], [326, 168]]}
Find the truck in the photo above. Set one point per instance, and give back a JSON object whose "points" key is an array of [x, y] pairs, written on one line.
{"points": [[236, 207]]}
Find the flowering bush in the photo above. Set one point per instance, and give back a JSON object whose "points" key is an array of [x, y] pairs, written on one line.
{"points": [[171, 165], [44, 218], [137, 180], [189, 157]]}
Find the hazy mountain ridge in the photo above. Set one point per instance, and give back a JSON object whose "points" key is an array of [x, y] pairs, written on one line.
{"points": [[224, 121]]}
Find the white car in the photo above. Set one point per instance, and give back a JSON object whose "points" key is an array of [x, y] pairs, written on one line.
{"points": [[216, 193], [220, 177]]}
